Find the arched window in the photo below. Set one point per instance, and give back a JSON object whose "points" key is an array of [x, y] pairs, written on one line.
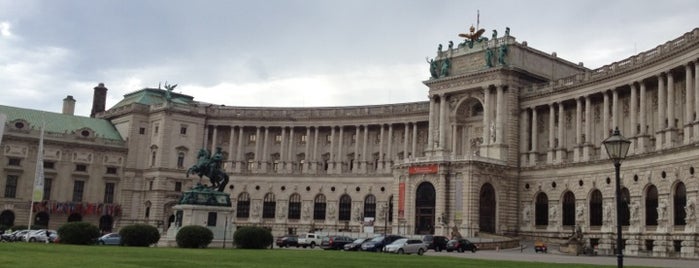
{"points": [[542, 210], [269, 206], [345, 208], [370, 206], [569, 209], [7, 218], [679, 202], [180, 160], [295, 207], [243, 206], [319, 207], [625, 212], [651, 206], [596, 211]]}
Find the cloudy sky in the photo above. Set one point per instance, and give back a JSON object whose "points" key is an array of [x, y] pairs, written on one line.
{"points": [[297, 53]]}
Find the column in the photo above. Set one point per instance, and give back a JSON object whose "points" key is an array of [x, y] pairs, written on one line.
{"points": [[442, 121], [588, 129], [551, 145], [381, 141], [533, 153], [605, 124], [633, 104], [643, 121], [356, 165], [661, 114], [486, 116], [414, 145], [671, 133], [430, 127], [231, 143], [695, 116], [331, 161], [578, 130], [389, 150], [282, 149], [366, 138], [315, 149], [340, 159], [258, 137], [689, 103], [265, 152], [307, 157], [405, 142], [499, 115], [525, 139], [290, 159], [213, 140], [560, 148], [239, 152], [615, 110], [206, 137]]}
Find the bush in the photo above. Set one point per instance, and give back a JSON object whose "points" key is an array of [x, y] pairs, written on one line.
{"points": [[194, 236], [139, 235], [252, 238], [78, 233]]}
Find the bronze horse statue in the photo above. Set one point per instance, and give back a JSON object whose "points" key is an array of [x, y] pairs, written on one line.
{"points": [[210, 166]]}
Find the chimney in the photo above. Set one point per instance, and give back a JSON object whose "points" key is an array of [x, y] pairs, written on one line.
{"points": [[69, 105], [99, 99]]}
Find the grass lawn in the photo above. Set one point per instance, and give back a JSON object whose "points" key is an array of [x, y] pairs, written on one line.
{"points": [[18, 255]]}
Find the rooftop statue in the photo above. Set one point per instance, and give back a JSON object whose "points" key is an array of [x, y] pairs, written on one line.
{"points": [[473, 36], [168, 92], [433, 67], [210, 166]]}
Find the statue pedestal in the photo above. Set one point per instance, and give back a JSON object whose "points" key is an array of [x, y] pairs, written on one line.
{"points": [[204, 207]]}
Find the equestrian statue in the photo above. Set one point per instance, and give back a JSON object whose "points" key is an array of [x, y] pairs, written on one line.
{"points": [[210, 166]]}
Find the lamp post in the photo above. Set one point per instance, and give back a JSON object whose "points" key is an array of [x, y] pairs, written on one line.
{"points": [[617, 147]]}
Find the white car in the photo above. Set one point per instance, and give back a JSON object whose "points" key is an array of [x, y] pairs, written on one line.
{"points": [[406, 246], [41, 235], [310, 240]]}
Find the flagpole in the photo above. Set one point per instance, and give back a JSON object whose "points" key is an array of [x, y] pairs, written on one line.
{"points": [[38, 188]]}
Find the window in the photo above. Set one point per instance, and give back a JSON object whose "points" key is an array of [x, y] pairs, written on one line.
{"points": [[278, 138], [275, 165], [109, 193], [269, 206], [304, 138], [390, 209], [295, 207], [111, 170], [354, 138], [80, 167], [11, 186], [155, 129], [652, 206], [47, 188], [596, 208], [328, 139], [243, 206], [178, 186], [180, 160], [251, 164], [319, 207], [211, 221], [370, 206], [150, 185], [142, 130], [147, 212], [542, 210], [78, 188], [49, 165], [569, 209], [345, 207], [252, 138], [14, 162], [152, 159], [183, 130], [679, 202]]}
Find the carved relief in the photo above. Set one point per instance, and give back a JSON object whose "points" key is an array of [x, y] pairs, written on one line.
{"points": [[82, 157], [597, 113], [16, 150]]}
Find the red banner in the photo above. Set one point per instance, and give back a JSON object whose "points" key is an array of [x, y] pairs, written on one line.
{"points": [[401, 200], [431, 169]]}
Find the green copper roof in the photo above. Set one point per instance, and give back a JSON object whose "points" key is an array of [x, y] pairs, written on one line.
{"points": [[61, 123], [148, 96]]}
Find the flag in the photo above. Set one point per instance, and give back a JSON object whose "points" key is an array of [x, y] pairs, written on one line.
{"points": [[3, 118], [38, 193]]}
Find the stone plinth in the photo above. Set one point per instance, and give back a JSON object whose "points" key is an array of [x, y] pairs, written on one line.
{"points": [[215, 218]]}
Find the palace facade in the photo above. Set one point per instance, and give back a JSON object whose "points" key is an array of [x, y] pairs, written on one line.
{"points": [[508, 143]]}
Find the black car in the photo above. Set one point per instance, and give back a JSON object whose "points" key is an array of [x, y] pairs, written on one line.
{"points": [[435, 242], [356, 245], [376, 244], [335, 242], [287, 241], [461, 245]]}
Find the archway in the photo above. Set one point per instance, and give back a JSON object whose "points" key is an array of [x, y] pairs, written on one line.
{"points": [[42, 219], [7, 218], [486, 209], [75, 217], [106, 222], [469, 127], [425, 208]]}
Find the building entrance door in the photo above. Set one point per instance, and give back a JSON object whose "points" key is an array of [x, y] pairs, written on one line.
{"points": [[425, 209]]}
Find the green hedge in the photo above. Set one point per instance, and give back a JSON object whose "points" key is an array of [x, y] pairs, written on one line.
{"points": [[194, 236], [78, 233], [252, 238], [139, 235]]}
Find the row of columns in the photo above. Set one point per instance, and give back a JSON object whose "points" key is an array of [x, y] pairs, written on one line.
{"points": [[312, 157], [666, 129]]}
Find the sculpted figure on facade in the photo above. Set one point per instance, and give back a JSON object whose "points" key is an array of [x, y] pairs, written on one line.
{"points": [[527, 213], [662, 210], [553, 213], [608, 214], [445, 68], [634, 211], [358, 214], [690, 210], [331, 210], [306, 211], [580, 212], [433, 67]]}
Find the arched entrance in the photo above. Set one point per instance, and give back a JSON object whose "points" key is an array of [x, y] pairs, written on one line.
{"points": [[75, 217], [7, 218], [42, 219], [486, 209], [106, 222], [424, 208]]}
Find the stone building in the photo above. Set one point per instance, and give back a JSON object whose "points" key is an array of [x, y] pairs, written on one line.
{"points": [[509, 143]]}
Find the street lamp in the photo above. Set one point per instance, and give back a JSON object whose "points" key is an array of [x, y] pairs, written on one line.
{"points": [[617, 146]]}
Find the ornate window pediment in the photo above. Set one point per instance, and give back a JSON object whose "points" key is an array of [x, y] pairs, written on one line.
{"points": [[84, 132]]}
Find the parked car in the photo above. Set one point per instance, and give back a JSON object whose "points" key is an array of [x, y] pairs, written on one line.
{"points": [[356, 245], [435, 242], [540, 247], [287, 241], [19, 235], [310, 240], [461, 245], [335, 242], [41, 235], [376, 244], [406, 246], [109, 239]]}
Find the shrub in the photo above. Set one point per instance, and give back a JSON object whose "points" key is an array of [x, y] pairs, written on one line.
{"points": [[139, 235], [252, 238], [78, 233], [194, 236]]}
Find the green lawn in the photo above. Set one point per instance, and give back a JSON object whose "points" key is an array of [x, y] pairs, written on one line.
{"points": [[18, 255]]}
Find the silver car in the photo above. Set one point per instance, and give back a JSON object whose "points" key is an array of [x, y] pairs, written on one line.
{"points": [[406, 246]]}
